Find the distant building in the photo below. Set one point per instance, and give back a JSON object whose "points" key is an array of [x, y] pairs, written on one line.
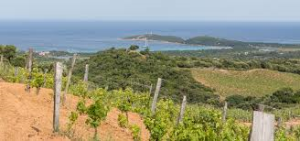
{"points": [[44, 53]]}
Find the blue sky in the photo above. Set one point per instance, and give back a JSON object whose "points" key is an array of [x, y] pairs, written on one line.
{"points": [[179, 10]]}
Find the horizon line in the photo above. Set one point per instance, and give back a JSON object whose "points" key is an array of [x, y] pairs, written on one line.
{"points": [[94, 20]]}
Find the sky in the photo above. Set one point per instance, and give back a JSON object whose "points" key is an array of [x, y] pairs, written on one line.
{"points": [[151, 10]]}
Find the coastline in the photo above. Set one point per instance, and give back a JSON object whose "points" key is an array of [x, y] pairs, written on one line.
{"points": [[167, 42]]}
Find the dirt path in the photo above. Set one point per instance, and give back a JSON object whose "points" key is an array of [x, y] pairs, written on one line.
{"points": [[27, 116]]}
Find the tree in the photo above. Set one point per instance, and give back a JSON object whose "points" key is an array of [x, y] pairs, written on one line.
{"points": [[146, 51], [284, 95], [134, 47], [296, 97], [235, 100], [9, 51], [119, 69], [18, 61]]}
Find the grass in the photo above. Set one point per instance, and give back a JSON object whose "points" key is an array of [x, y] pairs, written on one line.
{"points": [[257, 82]]}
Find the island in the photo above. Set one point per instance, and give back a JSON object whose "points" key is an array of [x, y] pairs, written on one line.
{"points": [[209, 41]]}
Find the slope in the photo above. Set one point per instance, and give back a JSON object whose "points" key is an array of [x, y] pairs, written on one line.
{"points": [[27, 116], [257, 82]]}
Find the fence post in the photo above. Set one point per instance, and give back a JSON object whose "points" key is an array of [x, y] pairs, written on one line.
{"points": [[158, 85], [44, 77], [29, 67], [262, 127], [150, 90], [57, 90], [86, 73], [261, 107], [279, 124], [1, 61], [182, 109], [16, 71], [64, 97], [290, 115], [224, 112]]}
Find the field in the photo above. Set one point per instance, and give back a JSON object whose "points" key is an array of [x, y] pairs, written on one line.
{"points": [[257, 82]]}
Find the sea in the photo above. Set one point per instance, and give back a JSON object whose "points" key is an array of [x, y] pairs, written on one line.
{"points": [[93, 36]]}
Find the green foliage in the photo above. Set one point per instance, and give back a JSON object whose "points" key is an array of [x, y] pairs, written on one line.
{"points": [[125, 100], [212, 41], [8, 51], [240, 114], [38, 79], [246, 103], [134, 47], [122, 120], [117, 68], [72, 119], [81, 108], [157, 38], [257, 82], [18, 61], [283, 135], [79, 89], [163, 120], [281, 98], [96, 113], [136, 132], [208, 41], [284, 95]]}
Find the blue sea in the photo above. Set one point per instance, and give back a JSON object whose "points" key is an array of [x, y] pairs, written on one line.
{"points": [[92, 36]]}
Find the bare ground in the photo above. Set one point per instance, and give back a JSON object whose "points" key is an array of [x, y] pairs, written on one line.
{"points": [[28, 116]]}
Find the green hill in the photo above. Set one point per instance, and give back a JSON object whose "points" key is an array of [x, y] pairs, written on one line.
{"points": [[213, 41], [210, 41], [120, 68], [257, 82]]}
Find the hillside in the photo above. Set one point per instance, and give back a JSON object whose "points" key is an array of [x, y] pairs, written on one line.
{"points": [[257, 82], [212, 41], [27, 116], [118, 68]]}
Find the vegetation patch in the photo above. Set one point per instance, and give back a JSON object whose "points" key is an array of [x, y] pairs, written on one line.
{"points": [[121, 68], [257, 82]]}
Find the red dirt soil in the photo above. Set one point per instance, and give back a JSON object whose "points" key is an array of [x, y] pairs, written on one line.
{"points": [[28, 116]]}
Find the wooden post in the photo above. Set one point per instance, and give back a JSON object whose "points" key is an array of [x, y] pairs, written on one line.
{"points": [[262, 127], [224, 112], [182, 108], [86, 73], [1, 61], [158, 85], [279, 123], [57, 90], [29, 67], [44, 77], [261, 107], [16, 71], [150, 90], [69, 79]]}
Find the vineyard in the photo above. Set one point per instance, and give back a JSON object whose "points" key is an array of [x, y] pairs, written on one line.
{"points": [[256, 82], [162, 117]]}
